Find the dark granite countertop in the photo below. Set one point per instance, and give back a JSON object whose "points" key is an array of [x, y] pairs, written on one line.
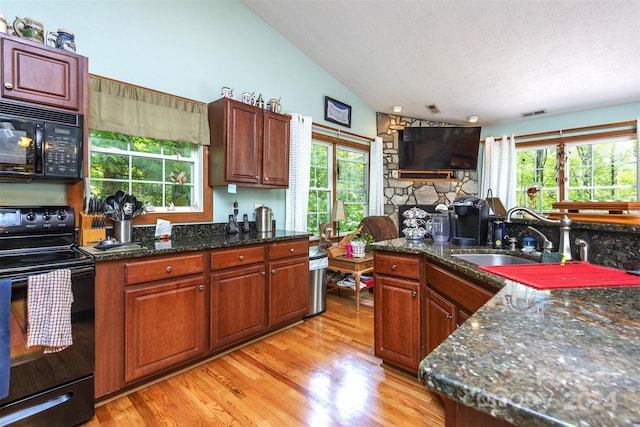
{"points": [[150, 247], [539, 358]]}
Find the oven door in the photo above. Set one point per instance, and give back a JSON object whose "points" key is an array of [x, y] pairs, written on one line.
{"points": [[20, 147], [52, 386]]}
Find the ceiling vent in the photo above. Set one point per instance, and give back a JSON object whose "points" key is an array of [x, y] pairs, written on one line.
{"points": [[533, 113], [433, 108]]}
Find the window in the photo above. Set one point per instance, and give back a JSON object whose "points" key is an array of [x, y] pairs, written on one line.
{"points": [[604, 169], [351, 178], [319, 187], [164, 174], [349, 183]]}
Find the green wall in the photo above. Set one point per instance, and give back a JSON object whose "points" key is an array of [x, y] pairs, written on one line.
{"points": [[190, 49]]}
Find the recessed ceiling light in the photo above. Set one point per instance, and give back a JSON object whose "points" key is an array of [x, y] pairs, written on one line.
{"points": [[397, 108], [472, 119], [433, 108]]}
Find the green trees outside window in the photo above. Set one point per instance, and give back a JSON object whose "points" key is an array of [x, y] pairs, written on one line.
{"points": [[157, 172]]}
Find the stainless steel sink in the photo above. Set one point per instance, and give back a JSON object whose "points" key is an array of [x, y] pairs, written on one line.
{"points": [[493, 259]]}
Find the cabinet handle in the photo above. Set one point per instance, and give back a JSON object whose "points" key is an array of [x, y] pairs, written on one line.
{"points": [[266, 178], [201, 287], [241, 257], [257, 177], [8, 85], [169, 269], [292, 250], [394, 267], [457, 325], [264, 274], [414, 293], [273, 272], [449, 317]]}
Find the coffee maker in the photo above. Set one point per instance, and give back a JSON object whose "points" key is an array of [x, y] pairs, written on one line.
{"points": [[470, 221]]}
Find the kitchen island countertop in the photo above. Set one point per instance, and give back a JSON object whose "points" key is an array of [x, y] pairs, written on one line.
{"points": [[538, 358]]}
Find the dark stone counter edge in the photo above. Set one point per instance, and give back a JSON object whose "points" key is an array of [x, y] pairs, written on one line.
{"points": [[198, 243]]}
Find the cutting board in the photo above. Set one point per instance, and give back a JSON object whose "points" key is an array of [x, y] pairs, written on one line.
{"points": [[579, 274]]}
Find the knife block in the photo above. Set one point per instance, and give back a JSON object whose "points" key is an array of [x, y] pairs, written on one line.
{"points": [[88, 235]]}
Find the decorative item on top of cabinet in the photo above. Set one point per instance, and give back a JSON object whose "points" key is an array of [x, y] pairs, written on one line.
{"points": [[37, 74], [397, 312], [249, 146]]}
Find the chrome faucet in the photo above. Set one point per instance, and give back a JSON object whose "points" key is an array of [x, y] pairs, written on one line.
{"points": [[564, 224], [546, 243]]}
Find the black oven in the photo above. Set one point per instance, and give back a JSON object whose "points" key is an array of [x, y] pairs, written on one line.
{"points": [[46, 388], [40, 143]]}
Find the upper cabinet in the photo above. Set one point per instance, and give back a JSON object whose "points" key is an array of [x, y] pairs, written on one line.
{"points": [[249, 146], [38, 74]]}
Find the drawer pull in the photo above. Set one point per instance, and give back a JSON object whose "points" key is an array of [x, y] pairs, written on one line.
{"points": [[241, 257], [264, 274], [273, 272], [169, 269], [201, 287], [449, 317], [8, 85], [292, 250], [414, 293], [394, 267]]}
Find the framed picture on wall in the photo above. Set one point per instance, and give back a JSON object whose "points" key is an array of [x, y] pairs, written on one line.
{"points": [[337, 112]]}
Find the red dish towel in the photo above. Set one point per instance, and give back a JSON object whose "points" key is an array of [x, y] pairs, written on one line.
{"points": [[579, 274], [49, 299]]}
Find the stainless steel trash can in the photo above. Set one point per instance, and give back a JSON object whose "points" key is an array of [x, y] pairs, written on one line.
{"points": [[318, 263]]}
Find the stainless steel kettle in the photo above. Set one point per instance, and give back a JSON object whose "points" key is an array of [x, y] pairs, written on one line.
{"points": [[264, 219]]}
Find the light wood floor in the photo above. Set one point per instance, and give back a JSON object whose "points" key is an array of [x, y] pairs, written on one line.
{"points": [[318, 373]]}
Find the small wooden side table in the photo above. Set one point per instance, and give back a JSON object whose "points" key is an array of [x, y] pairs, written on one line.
{"points": [[355, 266]]}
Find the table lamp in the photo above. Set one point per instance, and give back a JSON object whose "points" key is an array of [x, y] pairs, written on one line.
{"points": [[338, 214]]}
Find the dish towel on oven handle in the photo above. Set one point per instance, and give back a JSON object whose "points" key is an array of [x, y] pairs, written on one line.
{"points": [[49, 299], [5, 336]]}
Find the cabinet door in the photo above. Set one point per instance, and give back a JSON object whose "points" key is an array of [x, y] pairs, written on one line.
{"points": [[244, 143], [164, 325], [238, 298], [275, 151], [440, 319], [41, 75], [288, 290], [397, 321]]}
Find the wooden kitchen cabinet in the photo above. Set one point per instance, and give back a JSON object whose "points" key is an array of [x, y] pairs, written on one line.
{"points": [[288, 281], [248, 146], [238, 295], [450, 301], [164, 315], [397, 309], [35, 73]]}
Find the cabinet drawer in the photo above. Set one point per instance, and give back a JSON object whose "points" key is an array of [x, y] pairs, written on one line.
{"points": [[235, 257], [464, 293], [163, 268], [407, 266], [289, 248]]}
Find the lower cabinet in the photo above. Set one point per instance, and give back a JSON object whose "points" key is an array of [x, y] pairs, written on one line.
{"points": [[397, 309], [164, 313], [417, 306], [450, 301], [288, 282], [157, 313], [164, 325], [237, 304]]}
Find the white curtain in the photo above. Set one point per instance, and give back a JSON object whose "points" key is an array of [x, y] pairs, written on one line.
{"points": [[376, 187], [499, 170], [297, 195]]}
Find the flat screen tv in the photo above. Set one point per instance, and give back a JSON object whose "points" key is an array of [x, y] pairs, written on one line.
{"points": [[439, 148]]}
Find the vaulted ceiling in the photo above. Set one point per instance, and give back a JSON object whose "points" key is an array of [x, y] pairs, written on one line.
{"points": [[496, 59]]}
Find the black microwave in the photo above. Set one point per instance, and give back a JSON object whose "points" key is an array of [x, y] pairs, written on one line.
{"points": [[39, 143]]}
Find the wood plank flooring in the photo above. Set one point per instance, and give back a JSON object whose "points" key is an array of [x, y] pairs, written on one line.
{"points": [[321, 372]]}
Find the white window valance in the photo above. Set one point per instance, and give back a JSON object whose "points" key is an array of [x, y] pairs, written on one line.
{"points": [[133, 110]]}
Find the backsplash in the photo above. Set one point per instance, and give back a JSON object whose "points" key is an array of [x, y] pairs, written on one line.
{"points": [[610, 245]]}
